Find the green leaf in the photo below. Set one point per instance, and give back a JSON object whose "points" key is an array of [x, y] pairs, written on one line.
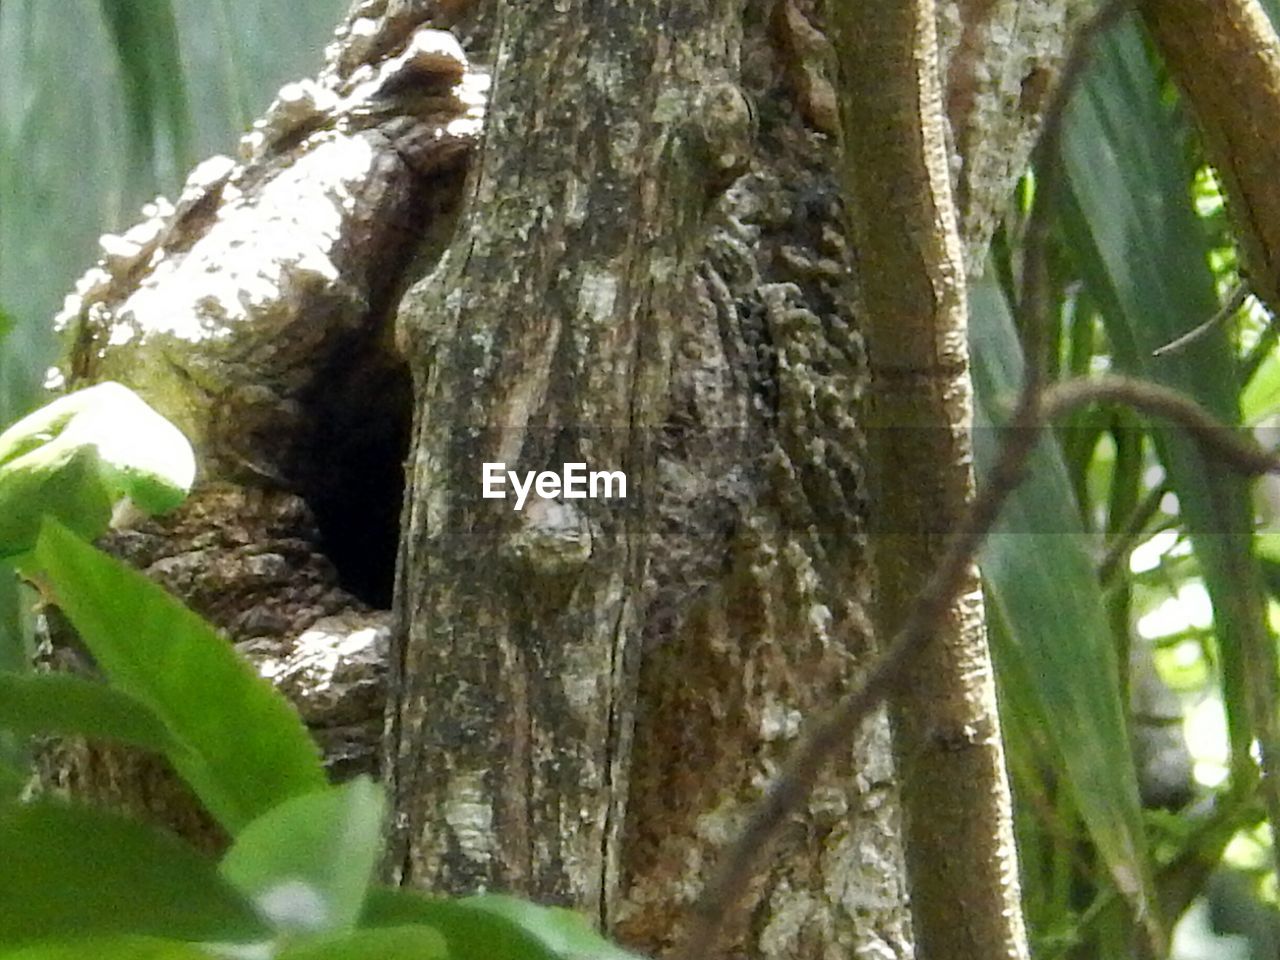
{"points": [[564, 932], [389, 943], [57, 480], [109, 948], [470, 934], [12, 782], [33, 703], [493, 927], [77, 457], [145, 34], [1057, 666], [1128, 220], [75, 869], [1261, 397], [249, 749], [307, 863]]}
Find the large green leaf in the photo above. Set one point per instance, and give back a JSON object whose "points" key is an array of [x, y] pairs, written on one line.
{"points": [[1055, 658], [470, 934], [564, 932], [493, 927], [249, 749], [33, 703], [76, 871], [307, 863], [13, 780], [388, 943], [1128, 220], [108, 948]]}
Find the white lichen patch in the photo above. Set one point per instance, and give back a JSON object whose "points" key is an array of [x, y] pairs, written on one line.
{"points": [[468, 812], [582, 684], [597, 295], [575, 202], [553, 537], [860, 874], [286, 243], [791, 912], [721, 824], [778, 721]]}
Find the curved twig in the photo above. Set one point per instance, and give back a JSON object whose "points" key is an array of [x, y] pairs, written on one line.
{"points": [[1235, 301]]}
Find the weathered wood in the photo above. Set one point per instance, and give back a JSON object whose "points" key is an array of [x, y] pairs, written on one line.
{"points": [[1000, 62]]}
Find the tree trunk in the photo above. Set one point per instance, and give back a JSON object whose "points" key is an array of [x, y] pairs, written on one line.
{"points": [[650, 274], [717, 361], [961, 861]]}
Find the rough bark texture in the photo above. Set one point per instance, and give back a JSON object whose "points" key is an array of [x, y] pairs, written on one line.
{"points": [[602, 305], [1000, 60], [961, 861], [1225, 58]]}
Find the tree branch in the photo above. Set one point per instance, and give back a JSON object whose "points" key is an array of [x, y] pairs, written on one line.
{"points": [[1225, 58]]}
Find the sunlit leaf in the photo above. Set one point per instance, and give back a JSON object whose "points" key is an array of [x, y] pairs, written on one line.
{"points": [[79, 456], [1129, 221]]}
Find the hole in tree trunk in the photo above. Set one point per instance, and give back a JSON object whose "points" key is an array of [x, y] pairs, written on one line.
{"points": [[354, 481]]}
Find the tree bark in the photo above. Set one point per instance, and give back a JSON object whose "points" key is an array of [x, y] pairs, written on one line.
{"points": [[1000, 62], [1225, 58], [958, 823], [604, 302], [719, 659]]}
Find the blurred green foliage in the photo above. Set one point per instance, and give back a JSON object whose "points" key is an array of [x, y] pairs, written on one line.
{"points": [[1181, 591]]}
